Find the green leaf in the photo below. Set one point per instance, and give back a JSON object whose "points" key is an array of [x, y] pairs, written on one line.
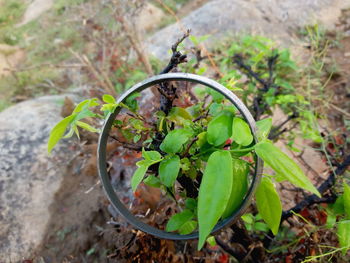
{"points": [[138, 176], [177, 220], [344, 235], [174, 140], [152, 156], [136, 138], [58, 131], [220, 128], [168, 170], [239, 186], [131, 101], [86, 104], [264, 127], [346, 201], [214, 192], [190, 203], [177, 114], [269, 204], [241, 133], [108, 99], [152, 181], [338, 206], [87, 126], [211, 241], [188, 227], [284, 165]]}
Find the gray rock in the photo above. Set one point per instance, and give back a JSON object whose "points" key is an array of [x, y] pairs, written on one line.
{"points": [[29, 177], [223, 18]]}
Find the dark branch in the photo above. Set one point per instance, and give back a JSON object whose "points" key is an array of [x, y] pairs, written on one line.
{"points": [[129, 146]]}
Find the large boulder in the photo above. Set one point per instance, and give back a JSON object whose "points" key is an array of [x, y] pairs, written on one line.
{"points": [[29, 177], [223, 18]]}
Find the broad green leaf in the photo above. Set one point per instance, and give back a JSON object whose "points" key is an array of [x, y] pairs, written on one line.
{"points": [[153, 181], [168, 170], [188, 227], [264, 127], [284, 165], [108, 99], [214, 192], [151, 155], [269, 204], [344, 235], [241, 133], [346, 197], [177, 220], [138, 176], [174, 140], [220, 128], [87, 126], [58, 131], [239, 186]]}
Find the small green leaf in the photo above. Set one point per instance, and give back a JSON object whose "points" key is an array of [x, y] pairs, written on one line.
{"points": [[174, 140], [239, 186], [188, 227], [177, 220], [108, 99], [58, 131], [137, 137], [211, 241], [346, 197], [168, 170], [220, 128], [151, 155], [152, 181], [214, 192], [138, 176], [178, 114], [264, 127], [86, 104], [87, 126], [191, 203], [338, 206], [269, 204], [344, 235], [131, 101], [241, 133], [284, 165]]}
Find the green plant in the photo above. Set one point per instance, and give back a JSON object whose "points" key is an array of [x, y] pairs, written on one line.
{"points": [[211, 145], [200, 154]]}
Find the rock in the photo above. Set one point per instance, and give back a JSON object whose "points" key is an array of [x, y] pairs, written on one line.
{"points": [[35, 9], [29, 177], [223, 18], [149, 17]]}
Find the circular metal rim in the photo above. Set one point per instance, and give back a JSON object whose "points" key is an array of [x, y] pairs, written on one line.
{"points": [[101, 154]]}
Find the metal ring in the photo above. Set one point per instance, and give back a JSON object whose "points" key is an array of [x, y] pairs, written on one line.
{"points": [[101, 154]]}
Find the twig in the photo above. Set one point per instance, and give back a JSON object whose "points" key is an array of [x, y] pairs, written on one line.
{"points": [[127, 145]]}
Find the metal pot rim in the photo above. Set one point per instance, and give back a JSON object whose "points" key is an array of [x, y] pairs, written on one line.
{"points": [[102, 160]]}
